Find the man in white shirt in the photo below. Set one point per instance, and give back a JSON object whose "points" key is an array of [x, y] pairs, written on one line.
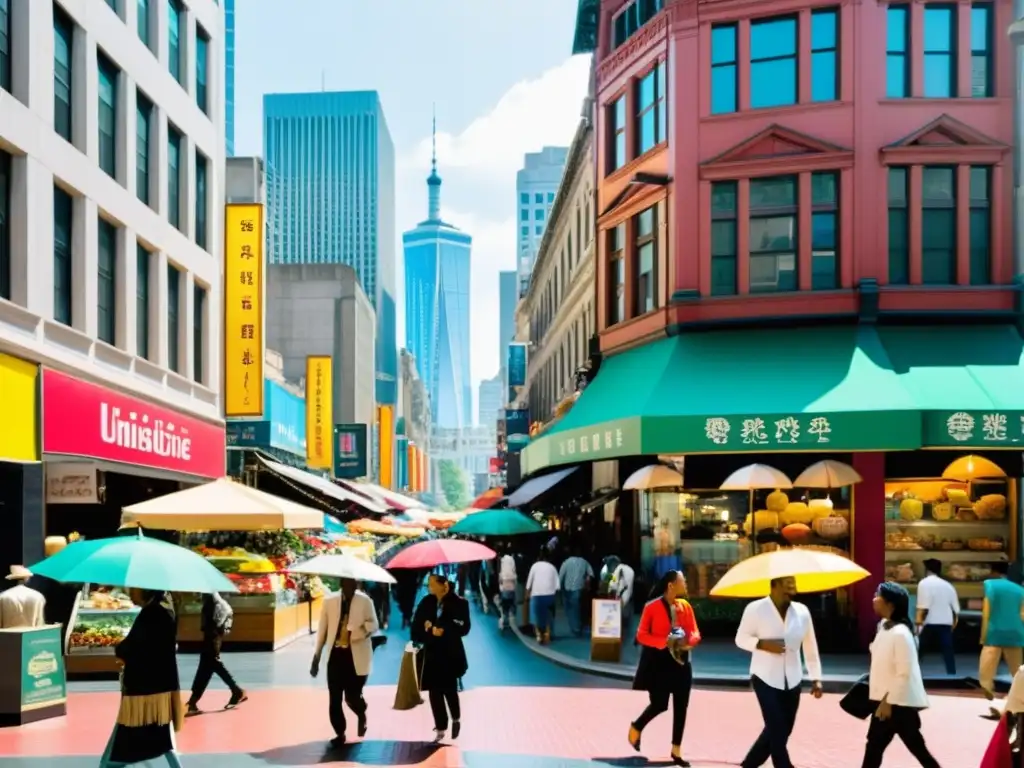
{"points": [[20, 605], [542, 585], [773, 630], [938, 610]]}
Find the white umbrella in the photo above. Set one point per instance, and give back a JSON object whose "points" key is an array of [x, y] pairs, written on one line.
{"points": [[755, 476], [343, 567], [827, 474], [653, 476]]}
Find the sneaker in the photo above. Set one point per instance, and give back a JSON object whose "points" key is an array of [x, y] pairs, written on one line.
{"points": [[236, 698], [456, 728], [439, 735]]}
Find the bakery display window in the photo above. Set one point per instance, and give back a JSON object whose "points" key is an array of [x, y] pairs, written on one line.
{"points": [[102, 619], [967, 526]]}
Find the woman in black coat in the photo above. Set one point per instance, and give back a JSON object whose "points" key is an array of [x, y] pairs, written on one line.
{"points": [[440, 623]]}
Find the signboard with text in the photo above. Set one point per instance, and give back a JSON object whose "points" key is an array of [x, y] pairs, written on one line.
{"points": [[243, 310], [42, 668], [319, 411], [962, 429], [516, 370], [350, 451]]}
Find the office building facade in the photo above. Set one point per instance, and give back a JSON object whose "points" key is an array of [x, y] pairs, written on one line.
{"points": [[229, 78], [536, 185], [331, 198], [491, 400]]}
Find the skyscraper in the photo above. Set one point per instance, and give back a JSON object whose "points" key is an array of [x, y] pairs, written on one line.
{"points": [[229, 77], [490, 400], [536, 184], [437, 268], [331, 198], [508, 297]]}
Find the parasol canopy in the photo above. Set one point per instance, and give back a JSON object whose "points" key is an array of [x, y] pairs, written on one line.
{"points": [[814, 571], [827, 474], [755, 476], [428, 554], [488, 498], [343, 566], [381, 528], [497, 522], [222, 505], [134, 561], [971, 467], [653, 476]]}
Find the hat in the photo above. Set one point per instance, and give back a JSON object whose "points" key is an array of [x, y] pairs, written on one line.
{"points": [[19, 573]]}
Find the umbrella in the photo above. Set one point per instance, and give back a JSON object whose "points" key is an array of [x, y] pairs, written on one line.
{"points": [[827, 474], [653, 476], [488, 498], [344, 567], [814, 570], [134, 561], [497, 522], [428, 554], [755, 476], [968, 468]]}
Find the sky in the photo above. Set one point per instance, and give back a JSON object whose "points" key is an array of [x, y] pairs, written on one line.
{"points": [[499, 73]]}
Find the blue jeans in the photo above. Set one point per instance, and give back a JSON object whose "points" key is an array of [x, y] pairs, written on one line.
{"points": [[940, 635], [508, 604], [571, 603], [542, 609]]}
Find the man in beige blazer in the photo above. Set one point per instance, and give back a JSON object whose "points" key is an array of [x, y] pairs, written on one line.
{"points": [[347, 621]]}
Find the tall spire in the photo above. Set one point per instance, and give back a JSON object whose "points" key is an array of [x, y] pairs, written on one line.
{"points": [[434, 180]]}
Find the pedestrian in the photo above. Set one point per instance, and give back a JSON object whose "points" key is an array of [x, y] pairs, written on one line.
{"points": [[541, 588], [150, 711], [406, 589], [441, 621], [773, 630], [620, 585], [380, 594], [667, 632], [895, 681], [575, 576], [215, 622], [507, 583], [1002, 630], [347, 621], [938, 610]]}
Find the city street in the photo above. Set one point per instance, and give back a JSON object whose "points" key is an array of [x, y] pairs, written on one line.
{"points": [[519, 710]]}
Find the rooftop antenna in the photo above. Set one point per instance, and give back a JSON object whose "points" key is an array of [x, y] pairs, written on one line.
{"points": [[433, 138]]}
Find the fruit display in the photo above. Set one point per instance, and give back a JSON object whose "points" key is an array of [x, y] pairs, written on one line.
{"points": [[777, 501], [991, 506], [762, 520], [911, 509], [796, 533], [798, 512], [832, 527], [100, 631]]}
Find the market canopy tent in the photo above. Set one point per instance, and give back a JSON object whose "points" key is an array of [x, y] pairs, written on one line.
{"points": [[322, 486], [222, 505]]}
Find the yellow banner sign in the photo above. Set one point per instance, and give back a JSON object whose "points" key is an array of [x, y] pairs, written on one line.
{"points": [[319, 412], [243, 310], [19, 407], [386, 441]]}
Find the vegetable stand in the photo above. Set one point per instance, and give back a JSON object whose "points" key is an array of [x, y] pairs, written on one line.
{"points": [[102, 620]]}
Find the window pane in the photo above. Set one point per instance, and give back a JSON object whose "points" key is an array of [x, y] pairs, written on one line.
{"points": [[524, 214], [772, 38], [939, 47], [823, 30], [776, 233], [896, 29], [723, 44], [143, 21], [106, 269], [938, 185], [143, 111], [202, 63], [981, 269], [773, 192], [823, 231], [938, 29], [107, 117], [723, 237], [824, 188], [899, 253], [824, 275], [723, 275], [772, 83], [896, 76], [723, 197], [198, 304], [938, 75], [174, 38], [776, 272], [898, 186], [645, 92], [979, 184], [647, 132], [824, 79], [938, 246], [645, 279], [620, 113], [173, 177], [723, 89], [63, 208], [5, 45], [979, 28], [200, 202], [619, 159], [173, 302], [645, 223], [63, 34]]}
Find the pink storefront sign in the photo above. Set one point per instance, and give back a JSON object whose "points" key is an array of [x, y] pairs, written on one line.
{"points": [[84, 419]]}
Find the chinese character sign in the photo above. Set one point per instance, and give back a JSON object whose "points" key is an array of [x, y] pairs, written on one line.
{"points": [[350, 451], [319, 412], [243, 310], [780, 432], [997, 429]]}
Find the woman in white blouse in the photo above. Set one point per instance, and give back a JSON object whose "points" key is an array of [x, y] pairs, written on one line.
{"points": [[895, 682]]}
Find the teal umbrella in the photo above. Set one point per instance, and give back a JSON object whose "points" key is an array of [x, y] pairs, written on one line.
{"points": [[496, 522], [134, 561]]}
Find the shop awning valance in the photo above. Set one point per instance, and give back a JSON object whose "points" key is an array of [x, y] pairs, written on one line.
{"points": [[532, 489], [322, 486]]}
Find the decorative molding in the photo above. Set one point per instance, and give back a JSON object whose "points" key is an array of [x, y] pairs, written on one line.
{"points": [[945, 140], [809, 154], [632, 49]]}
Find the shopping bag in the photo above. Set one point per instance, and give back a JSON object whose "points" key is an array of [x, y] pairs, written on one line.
{"points": [[407, 695], [857, 702], [999, 753]]}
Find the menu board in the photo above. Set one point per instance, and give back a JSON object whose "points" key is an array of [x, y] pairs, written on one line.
{"points": [[606, 623]]}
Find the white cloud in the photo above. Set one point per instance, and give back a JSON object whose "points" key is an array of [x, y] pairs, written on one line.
{"points": [[479, 169]]}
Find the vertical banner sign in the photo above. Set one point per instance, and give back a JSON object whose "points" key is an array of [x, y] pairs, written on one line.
{"points": [[424, 472], [243, 310], [319, 416], [516, 371], [386, 441], [401, 462], [413, 468], [350, 451]]}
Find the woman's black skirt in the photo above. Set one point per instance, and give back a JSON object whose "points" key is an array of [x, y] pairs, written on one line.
{"points": [[136, 745]]}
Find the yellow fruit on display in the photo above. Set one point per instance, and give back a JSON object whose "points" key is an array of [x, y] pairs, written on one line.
{"points": [[831, 527], [820, 504], [911, 509], [797, 512], [943, 511], [957, 497], [762, 520], [991, 506], [777, 501]]}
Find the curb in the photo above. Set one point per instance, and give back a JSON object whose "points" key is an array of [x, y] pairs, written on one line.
{"points": [[830, 684]]}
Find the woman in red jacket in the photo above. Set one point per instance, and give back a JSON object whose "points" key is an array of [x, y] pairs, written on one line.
{"points": [[667, 632]]}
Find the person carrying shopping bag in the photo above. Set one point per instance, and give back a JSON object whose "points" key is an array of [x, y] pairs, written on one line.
{"points": [[440, 623], [667, 633], [895, 681]]}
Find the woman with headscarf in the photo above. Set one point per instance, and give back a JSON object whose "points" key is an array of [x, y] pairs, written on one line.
{"points": [[151, 708], [667, 632], [895, 681]]}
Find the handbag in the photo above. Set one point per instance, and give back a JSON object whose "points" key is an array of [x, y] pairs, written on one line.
{"points": [[376, 641], [407, 695], [857, 701]]}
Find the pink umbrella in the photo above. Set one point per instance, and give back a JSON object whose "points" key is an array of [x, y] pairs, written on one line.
{"points": [[428, 554]]}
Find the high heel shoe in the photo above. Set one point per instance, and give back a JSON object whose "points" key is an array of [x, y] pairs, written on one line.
{"points": [[635, 744]]}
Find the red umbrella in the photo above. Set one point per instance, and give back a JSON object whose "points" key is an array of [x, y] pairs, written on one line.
{"points": [[488, 499], [428, 554]]}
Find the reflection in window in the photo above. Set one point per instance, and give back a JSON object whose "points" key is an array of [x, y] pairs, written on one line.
{"points": [[141, 301], [108, 76], [899, 227], [202, 167], [106, 315], [617, 274], [897, 61], [939, 51], [981, 50], [981, 226], [650, 117], [824, 231], [723, 69], [773, 75], [202, 65], [63, 212], [142, 21], [938, 226], [773, 241], [646, 261], [617, 151], [723, 238], [63, 36], [825, 55]]}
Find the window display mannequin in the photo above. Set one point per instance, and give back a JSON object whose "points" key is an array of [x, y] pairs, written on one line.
{"points": [[20, 605]]}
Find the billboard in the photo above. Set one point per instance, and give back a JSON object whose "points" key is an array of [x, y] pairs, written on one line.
{"points": [[243, 310], [319, 411], [350, 451], [386, 441], [516, 370]]}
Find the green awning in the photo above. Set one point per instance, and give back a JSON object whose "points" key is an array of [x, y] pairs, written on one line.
{"points": [[823, 388], [968, 382]]}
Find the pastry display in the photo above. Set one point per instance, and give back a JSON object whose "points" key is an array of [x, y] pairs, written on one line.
{"points": [[986, 544], [902, 572], [968, 572], [898, 540], [991, 506], [108, 601]]}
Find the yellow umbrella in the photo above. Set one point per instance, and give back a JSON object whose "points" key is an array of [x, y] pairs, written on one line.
{"points": [[755, 476], [971, 467], [827, 474], [813, 570]]}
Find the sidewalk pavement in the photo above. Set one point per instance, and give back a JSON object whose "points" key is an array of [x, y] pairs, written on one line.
{"points": [[719, 663]]}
